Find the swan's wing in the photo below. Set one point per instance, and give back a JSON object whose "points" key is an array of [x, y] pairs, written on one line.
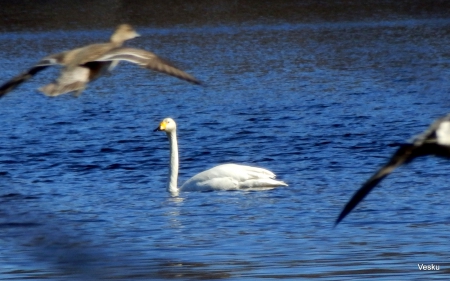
{"points": [[54, 59], [148, 60], [255, 172], [240, 172]]}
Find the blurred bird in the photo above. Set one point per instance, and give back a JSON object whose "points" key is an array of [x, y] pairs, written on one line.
{"points": [[85, 64], [434, 141]]}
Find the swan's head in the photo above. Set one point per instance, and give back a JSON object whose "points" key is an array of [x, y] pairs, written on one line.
{"points": [[167, 125], [123, 33]]}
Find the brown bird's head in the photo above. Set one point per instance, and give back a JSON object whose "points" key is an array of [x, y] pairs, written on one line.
{"points": [[123, 33]]}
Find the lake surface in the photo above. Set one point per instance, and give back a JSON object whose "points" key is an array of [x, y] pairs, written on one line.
{"points": [[322, 104]]}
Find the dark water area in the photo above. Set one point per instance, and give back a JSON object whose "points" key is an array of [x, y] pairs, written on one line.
{"points": [[65, 14], [318, 95]]}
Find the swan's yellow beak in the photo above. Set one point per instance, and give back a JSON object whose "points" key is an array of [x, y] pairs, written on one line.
{"points": [[161, 127]]}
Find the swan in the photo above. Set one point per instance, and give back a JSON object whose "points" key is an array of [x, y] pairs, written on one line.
{"points": [[433, 141], [222, 177], [85, 64]]}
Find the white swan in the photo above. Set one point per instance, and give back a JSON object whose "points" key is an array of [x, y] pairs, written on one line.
{"points": [[222, 177]]}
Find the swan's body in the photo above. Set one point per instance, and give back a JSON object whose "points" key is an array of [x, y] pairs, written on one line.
{"points": [[434, 141], [222, 177], [232, 177]]}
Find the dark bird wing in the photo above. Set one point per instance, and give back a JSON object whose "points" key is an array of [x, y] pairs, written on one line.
{"points": [[41, 65], [148, 60], [404, 154], [434, 141]]}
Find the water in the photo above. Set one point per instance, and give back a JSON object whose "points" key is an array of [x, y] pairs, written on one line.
{"points": [[318, 103]]}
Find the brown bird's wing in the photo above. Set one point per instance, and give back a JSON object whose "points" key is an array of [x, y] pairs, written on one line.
{"points": [[84, 55], [405, 154], [41, 65], [148, 60]]}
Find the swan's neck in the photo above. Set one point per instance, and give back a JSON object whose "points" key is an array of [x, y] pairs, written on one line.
{"points": [[173, 168]]}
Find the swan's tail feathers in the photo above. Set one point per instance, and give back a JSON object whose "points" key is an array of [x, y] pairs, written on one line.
{"points": [[261, 184]]}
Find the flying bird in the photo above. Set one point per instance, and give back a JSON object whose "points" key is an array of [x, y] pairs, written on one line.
{"points": [[85, 64], [434, 141]]}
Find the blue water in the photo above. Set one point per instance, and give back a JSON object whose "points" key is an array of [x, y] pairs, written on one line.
{"points": [[83, 179]]}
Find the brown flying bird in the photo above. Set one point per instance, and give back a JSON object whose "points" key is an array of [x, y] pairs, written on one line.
{"points": [[85, 64]]}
